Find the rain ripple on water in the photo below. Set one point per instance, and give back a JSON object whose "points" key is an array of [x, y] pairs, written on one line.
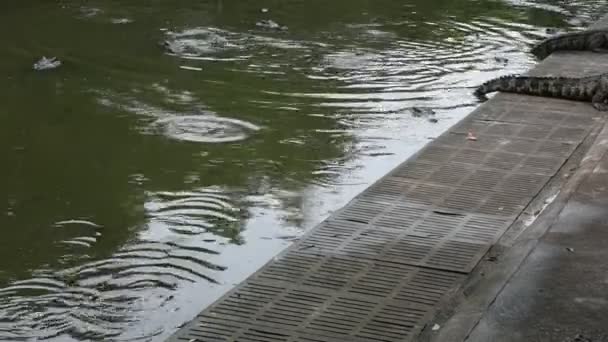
{"points": [[101, 299], [192, 212], [201, 126], [205, 128]]}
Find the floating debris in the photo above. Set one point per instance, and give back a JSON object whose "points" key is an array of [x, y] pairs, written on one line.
{"points": [[197, 42], [270, 24], [77, 222], [418, 112], [185, 67], [89, 11], [264, 10], [121, 21], [501, 60], [436, 327], [47, 63], [551, 30], [380, 154], [287, 237]]}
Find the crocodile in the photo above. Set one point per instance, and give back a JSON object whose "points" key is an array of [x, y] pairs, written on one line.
{"points": [[591, 88], [590, 40]]}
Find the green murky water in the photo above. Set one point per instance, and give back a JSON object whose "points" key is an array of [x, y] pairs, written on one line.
{"points": [[140, 185]]}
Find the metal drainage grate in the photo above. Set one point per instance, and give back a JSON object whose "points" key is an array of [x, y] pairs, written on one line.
{"points": [[325, 298], [447, 242]]}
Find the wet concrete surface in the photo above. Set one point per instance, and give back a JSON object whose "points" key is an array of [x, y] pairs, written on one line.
{"points": [[560, 293]]}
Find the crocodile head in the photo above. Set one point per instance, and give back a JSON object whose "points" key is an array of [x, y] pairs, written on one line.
{"points": [[540, 50], [169, 47]]}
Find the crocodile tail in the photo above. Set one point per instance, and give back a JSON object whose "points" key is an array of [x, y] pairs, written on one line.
{"points": [[566, 41], [543, 49], [503, 83]]}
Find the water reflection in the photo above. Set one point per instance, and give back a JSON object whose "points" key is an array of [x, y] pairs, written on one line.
{"points": [[141, 183]]}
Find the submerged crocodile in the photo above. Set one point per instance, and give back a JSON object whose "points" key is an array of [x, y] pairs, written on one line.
{"points": [[590, 40], [591, 88]]}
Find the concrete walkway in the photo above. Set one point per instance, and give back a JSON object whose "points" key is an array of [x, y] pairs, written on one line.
{"points": [[547, 281], [423, 252], [560, 293]]}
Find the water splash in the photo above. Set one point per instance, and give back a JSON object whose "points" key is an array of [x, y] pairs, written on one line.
{"points": [[202, 41], [199, 42], [205, 128], [198, 125]]}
